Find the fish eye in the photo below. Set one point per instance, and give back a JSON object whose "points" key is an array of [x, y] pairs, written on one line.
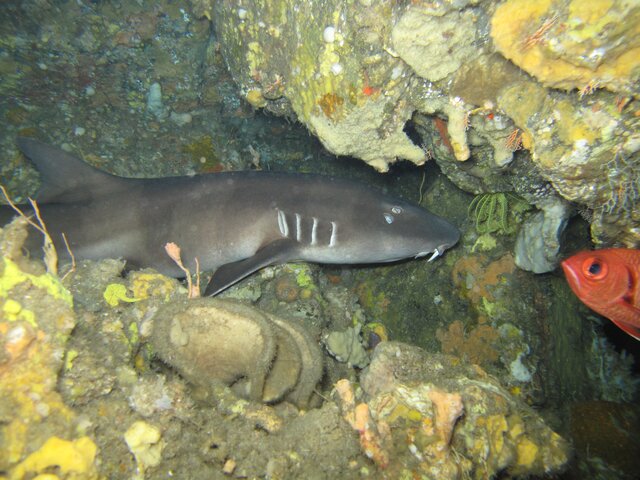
{"points": [[389, 218], [594, 269], [396, 209]]}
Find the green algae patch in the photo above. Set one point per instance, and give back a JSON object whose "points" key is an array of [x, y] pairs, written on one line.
{"points": [[12, 275], [203, 153], [116, 293], [303, 276], [14, 311], [69, 358]]}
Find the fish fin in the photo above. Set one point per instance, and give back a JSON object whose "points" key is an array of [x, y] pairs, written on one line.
{"points": [[633, 330], [64, 177], [226, 275]]}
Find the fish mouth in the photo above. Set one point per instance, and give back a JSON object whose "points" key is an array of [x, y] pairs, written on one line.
{"points": [[571, 275]]}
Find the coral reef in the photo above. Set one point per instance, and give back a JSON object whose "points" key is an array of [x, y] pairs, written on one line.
{"points": [[455, 419], [535, 98], [417, 413], [39, 431], [446, 67], [567, 44]]}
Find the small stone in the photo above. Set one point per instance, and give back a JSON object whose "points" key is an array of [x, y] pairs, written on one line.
{"points": [[329, 34], [154, 102], [43, 409], [229, 466], [180, 119], [145, 443], [336, 68]]}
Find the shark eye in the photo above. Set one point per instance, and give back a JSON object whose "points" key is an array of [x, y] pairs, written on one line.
{"points": [[389, 218], [396, 209], [594, 269]]}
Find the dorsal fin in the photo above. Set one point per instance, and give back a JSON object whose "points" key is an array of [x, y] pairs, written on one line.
{"points": [[66, 178]]}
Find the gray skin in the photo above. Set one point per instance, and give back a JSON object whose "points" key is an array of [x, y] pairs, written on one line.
{"points": [[234, 223]]}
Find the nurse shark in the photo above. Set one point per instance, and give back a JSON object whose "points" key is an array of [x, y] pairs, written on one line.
{"points": [[233, 223]]}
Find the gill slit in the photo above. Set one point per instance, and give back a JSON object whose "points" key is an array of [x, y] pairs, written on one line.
{"points": [[334, 234], [314, 232], [282, 224]]}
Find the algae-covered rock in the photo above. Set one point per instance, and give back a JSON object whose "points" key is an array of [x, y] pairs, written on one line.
{"points": [[572, 44], [347, 347], [38, 431], [456, 419], [356, 73], [589, 152], [309, 362], [417, 37], [145, 443], [326, 63], [261, 357]]}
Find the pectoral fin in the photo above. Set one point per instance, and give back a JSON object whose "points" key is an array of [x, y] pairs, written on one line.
{"points": [[226, 275], [629, 319], [629, 328]]}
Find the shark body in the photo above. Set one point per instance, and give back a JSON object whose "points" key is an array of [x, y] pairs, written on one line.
{"points": [[234, 223]]}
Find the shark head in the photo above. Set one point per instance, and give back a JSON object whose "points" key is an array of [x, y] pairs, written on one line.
{"points": [[387, 229]]}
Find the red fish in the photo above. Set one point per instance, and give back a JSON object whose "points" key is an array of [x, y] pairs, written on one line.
{"points": [[608, 282]]}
